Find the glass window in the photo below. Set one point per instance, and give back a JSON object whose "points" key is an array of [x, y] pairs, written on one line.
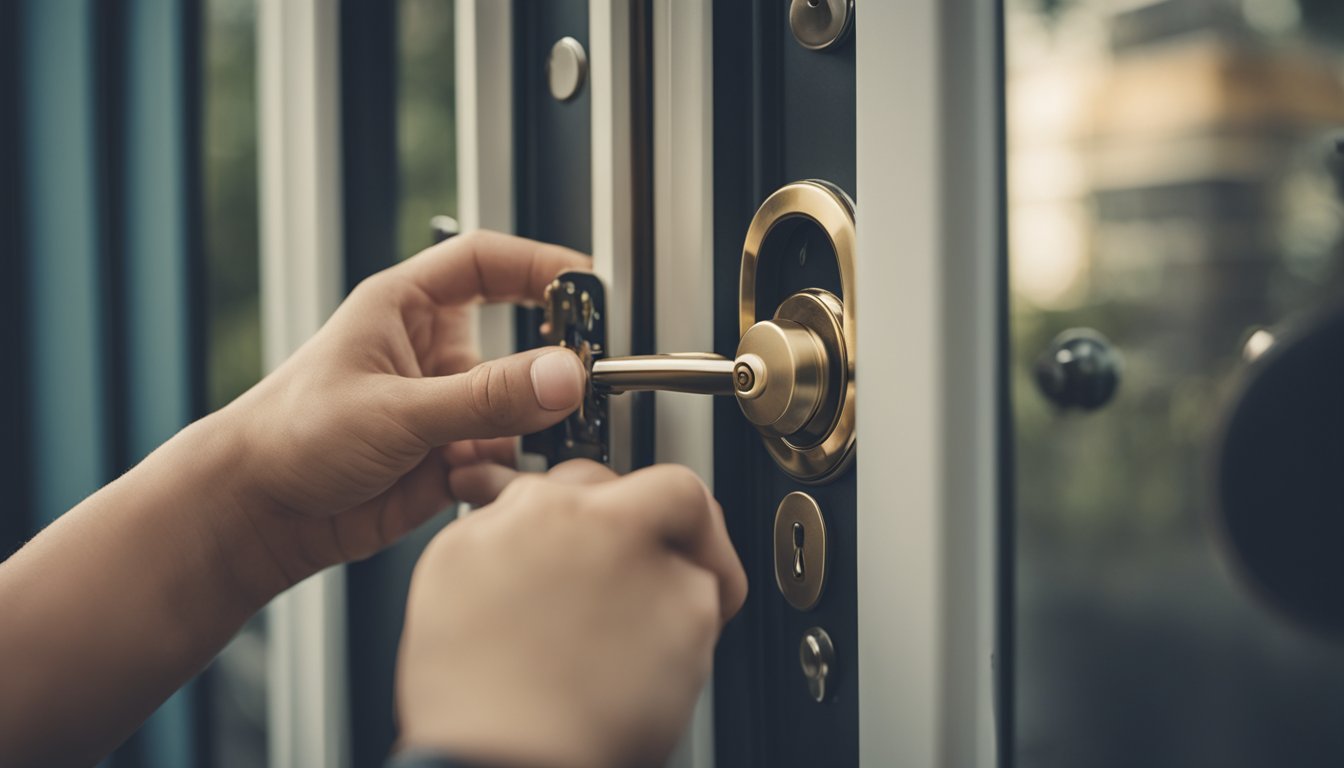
{"points": [[236, 701], [1173, 184], [426, 120], [427, 174]]}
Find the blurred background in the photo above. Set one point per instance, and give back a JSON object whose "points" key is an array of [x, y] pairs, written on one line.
{"points": [[1174, 181]]}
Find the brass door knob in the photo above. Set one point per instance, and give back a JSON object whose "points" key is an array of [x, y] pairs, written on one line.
{"points": [[792, 375], [780, 376]]}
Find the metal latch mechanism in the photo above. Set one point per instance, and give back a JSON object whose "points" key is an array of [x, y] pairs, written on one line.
{"points": [[575, 307], [792, 375]]}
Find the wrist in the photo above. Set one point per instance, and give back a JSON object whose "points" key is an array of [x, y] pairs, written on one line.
{"points": [[209, 463], [430, 759]]}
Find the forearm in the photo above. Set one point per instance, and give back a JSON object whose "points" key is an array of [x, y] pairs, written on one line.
{"points": [[110, 609]]}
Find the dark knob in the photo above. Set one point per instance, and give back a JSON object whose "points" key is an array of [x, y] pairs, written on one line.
{"points": [[1280, 475], [1080, 369]]}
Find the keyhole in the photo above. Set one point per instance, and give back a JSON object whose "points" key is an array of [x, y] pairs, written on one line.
{"points": [[798, 569]]}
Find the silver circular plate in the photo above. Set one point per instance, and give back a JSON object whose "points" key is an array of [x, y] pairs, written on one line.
{"points": [[820, 24], [566, 68]]}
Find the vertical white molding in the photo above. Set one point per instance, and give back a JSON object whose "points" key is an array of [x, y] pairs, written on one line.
{"points": [[928, 226], [683, 136], [613, 210], [484, 62], [683, 196], [298, 77]]}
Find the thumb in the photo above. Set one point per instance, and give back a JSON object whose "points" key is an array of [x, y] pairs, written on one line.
{"points": [[508, 396]]}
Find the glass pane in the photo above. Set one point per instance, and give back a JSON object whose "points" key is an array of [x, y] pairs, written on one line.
{"points": [[237, 680], [426, 120], [1174, 184]]}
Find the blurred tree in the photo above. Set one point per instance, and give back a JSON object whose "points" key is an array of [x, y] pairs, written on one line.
{"points": [[236, 681], [230, 223], [426, 120]]}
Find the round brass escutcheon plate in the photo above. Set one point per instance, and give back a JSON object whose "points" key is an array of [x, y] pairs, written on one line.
{"points": [[800, 550], [824, 446]]}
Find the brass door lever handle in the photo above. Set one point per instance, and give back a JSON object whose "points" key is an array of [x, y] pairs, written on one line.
{"points": [[786, 374], [695, 373]]}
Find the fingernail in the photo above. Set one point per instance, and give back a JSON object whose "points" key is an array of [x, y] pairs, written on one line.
{"points": [[557, 380]]}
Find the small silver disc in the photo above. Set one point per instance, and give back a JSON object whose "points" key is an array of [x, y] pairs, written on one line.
{"points": [[566, 68]]}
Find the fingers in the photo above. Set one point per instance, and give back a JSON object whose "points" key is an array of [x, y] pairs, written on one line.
{"points": [[669, 502], [491, 266], [581, 472], [679, 510], [384, 519], [512, 395], [496, 450], [480, 484]]}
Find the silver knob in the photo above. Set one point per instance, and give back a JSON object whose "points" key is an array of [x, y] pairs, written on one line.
{"points": [[816, 655], [820, 24], [566, 68]]}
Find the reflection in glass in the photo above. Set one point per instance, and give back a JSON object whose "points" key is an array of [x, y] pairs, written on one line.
{"points": [[1173, 183]]}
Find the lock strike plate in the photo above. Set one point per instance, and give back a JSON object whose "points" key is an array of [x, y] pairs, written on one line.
{"points": [[575, 307]]}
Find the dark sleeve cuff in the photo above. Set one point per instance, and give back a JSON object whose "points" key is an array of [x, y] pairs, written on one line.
{"points": [[428, 760]]}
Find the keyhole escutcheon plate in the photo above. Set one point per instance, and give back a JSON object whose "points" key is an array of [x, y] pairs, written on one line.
{"points": [[800, 550]]}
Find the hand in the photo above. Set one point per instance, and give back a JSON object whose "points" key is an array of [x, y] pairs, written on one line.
{"points": [[570, 623], [341, 439], [334, 455]]}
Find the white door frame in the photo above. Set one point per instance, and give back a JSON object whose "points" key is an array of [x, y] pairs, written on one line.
{"points": [[302, 276], [929, 208], [683, 196], [484, 91], [609, 49]]}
